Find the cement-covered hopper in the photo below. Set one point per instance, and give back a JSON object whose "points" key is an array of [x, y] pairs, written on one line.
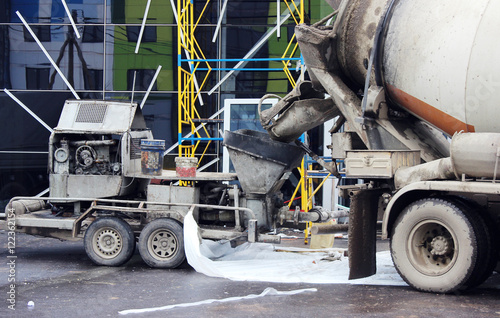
{"points": [[260, 162]]}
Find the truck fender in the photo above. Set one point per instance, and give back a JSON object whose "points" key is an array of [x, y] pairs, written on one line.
{"points": [[400, 200], [418, 190]]}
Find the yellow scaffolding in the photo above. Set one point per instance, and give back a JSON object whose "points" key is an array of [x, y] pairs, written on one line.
{"points": [[305, 184], [293, 45], [188, 93]]}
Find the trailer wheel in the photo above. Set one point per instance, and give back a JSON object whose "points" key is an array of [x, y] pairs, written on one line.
{"points": [[109, 241], [161, 244], [434, 245]]}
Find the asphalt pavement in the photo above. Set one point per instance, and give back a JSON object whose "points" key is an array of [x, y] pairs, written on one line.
{"points": [[53, 278]]}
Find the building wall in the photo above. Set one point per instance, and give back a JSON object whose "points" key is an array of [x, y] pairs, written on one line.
{"points": [[108, 28]]}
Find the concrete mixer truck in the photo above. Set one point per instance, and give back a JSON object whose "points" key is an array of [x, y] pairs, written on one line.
{"points": [[414, 87]]}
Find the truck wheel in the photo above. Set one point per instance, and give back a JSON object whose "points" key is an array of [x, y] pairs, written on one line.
{"points": [[487, 238], [161, 244], [434, 245], [109, 241]]}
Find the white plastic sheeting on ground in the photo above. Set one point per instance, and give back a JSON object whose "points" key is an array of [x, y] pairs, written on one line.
{"points": [[261, 262], [269, 291]]}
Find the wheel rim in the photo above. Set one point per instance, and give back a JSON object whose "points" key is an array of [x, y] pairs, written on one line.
{"points": [[162, 244], [107, 243], [431, 248]]}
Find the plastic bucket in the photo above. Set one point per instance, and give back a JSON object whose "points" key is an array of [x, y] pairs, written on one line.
{"points": [[152, 156], [185, 167]]}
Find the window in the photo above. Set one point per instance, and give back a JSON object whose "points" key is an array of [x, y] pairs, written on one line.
{"points": [[93, 80], [149, 34], [42, 32], [37, 78], [93, 33], [242, 114], [143, 79]]}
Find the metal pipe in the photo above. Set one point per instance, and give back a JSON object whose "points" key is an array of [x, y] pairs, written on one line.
{"points": [[69, 200], [329, 229], [111, 142], [151, 86], [26, 108], [143, 25], [249, 54], [441, 169], [472, 154], [71, 18], [47, 55], [219, 22]]}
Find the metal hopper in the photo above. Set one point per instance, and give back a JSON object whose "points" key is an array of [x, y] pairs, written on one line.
{"points": [[260, 162]]}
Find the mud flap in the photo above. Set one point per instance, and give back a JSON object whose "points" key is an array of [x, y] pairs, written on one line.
{"points": [[363, 233]]}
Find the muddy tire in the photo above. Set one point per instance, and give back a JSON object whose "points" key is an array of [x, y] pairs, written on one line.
{"points": [[109, 241], [487, 238], [161, 244], [435, 245]]}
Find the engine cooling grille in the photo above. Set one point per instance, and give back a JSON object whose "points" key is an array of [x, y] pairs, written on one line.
{"points": [[135, 151], [91, 113]]}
